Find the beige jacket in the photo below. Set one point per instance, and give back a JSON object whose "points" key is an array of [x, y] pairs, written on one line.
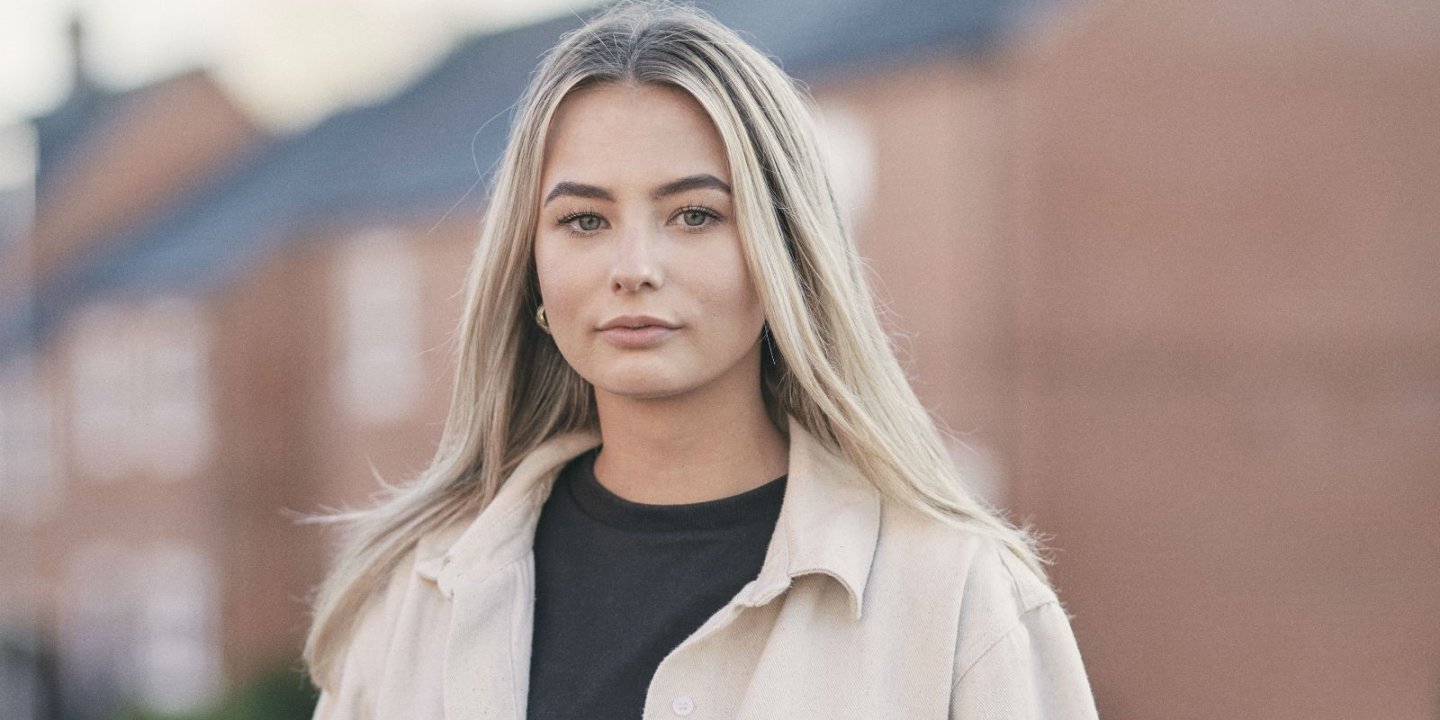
{"points": [[862, 609]]}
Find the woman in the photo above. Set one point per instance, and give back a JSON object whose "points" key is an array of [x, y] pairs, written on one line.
{"points": [[683, 473]]}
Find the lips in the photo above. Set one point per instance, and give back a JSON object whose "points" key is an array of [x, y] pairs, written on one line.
{"points": [[634, 322], [635, 332]]}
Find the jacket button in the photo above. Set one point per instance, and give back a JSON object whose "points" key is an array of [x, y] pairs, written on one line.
{"points": [[682, 705]]}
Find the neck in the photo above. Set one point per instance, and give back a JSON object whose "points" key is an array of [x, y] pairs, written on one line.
{"points": [[704, 445]]}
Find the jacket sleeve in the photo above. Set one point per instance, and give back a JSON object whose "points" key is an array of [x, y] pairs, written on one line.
{"points": [[1031, 672]]}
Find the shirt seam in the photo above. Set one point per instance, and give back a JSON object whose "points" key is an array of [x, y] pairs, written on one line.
{"points": [[1019, 624]]}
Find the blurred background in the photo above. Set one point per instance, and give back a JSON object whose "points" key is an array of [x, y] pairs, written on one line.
{"points": [[1170, 271]]}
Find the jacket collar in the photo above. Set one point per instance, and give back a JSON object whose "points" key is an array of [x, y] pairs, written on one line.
{"points": [[829, 522]]}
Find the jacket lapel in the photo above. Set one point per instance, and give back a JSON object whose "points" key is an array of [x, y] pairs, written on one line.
{"points": [[487, 655], [489, 576]]}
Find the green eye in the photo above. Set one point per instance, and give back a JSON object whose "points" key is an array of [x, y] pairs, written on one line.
{"points": [[588, 223], [695, 218]]}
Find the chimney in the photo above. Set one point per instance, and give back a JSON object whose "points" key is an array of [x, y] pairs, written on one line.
{"points": [[77, 53]]}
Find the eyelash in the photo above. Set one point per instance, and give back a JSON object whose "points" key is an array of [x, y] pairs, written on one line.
{"points": [[568, 218]]}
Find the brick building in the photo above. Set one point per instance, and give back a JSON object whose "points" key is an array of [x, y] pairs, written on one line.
{"points": [[107, 437]]}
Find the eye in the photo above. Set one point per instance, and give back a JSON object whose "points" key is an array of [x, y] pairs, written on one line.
{"points": [[582, 223], [696, 217]]}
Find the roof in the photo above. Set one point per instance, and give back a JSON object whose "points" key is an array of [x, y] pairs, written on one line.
{"points": [[60, 130], [426, 149]]}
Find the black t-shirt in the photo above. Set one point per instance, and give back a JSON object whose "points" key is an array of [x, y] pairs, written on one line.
{"points": [[618, 585]]}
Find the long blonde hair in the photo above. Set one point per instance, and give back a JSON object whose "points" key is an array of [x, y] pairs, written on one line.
{"points": [[830, 364]]}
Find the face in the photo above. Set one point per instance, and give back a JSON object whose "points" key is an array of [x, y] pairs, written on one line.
{"points": [[638, 254]]}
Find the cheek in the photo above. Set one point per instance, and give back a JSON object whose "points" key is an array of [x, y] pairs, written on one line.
{"points": [[742, 288], [557, 275], [559, 293], [544, 265], [730, 294]]}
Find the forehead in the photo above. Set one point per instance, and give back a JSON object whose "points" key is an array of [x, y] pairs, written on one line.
{"points": [[619, 131]]}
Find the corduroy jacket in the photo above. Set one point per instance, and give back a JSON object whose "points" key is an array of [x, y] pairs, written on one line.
{"points": [[862, 609]]}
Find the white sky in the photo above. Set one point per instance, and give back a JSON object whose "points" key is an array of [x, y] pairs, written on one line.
{"points": [[286, 62]]}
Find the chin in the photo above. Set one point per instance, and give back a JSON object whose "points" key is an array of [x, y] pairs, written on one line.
{"points": [[649, 389], [641, 384]]}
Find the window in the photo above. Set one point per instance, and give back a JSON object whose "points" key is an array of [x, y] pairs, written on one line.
{"points": [[380, 378], [139, 626], [172, 391], [140, 389], [96, 631], [27, 449], [102, 392], [178, 653]]}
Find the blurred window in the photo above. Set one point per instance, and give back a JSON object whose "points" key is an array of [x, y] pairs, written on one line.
{"points": [[380, 377], [178, 645], [96, 631], [102, 392], [173, 393], [141, 389], [139, 627], [27, 448]]}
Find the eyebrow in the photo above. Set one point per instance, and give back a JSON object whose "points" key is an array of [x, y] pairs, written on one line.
{"points": [[693, 182]]}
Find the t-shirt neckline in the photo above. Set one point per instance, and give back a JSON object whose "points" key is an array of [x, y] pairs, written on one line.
{"points": [[758, 505]]}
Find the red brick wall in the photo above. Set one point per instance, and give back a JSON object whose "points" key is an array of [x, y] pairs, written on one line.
{"points": [[1229, 322]]}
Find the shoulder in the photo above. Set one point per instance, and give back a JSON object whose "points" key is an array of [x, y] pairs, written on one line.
{"points": [[1014, 654], [959, 558], [974, 579]]}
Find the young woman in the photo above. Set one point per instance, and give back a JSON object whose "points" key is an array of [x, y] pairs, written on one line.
{"points": [[683, 474]]}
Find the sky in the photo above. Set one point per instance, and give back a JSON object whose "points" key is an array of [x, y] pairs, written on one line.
{"points": [[288, 63]]}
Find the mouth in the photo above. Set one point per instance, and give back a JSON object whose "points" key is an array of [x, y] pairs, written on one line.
{"points": [[636, 333], [637, 322]]}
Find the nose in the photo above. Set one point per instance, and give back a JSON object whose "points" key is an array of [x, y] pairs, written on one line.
{"points": [[635, 265]]}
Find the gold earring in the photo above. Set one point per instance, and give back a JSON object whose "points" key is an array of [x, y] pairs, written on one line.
{"points": [[541, 320]]}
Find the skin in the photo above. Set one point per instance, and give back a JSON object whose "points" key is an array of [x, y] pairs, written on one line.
{"points": [[682, 419]]}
